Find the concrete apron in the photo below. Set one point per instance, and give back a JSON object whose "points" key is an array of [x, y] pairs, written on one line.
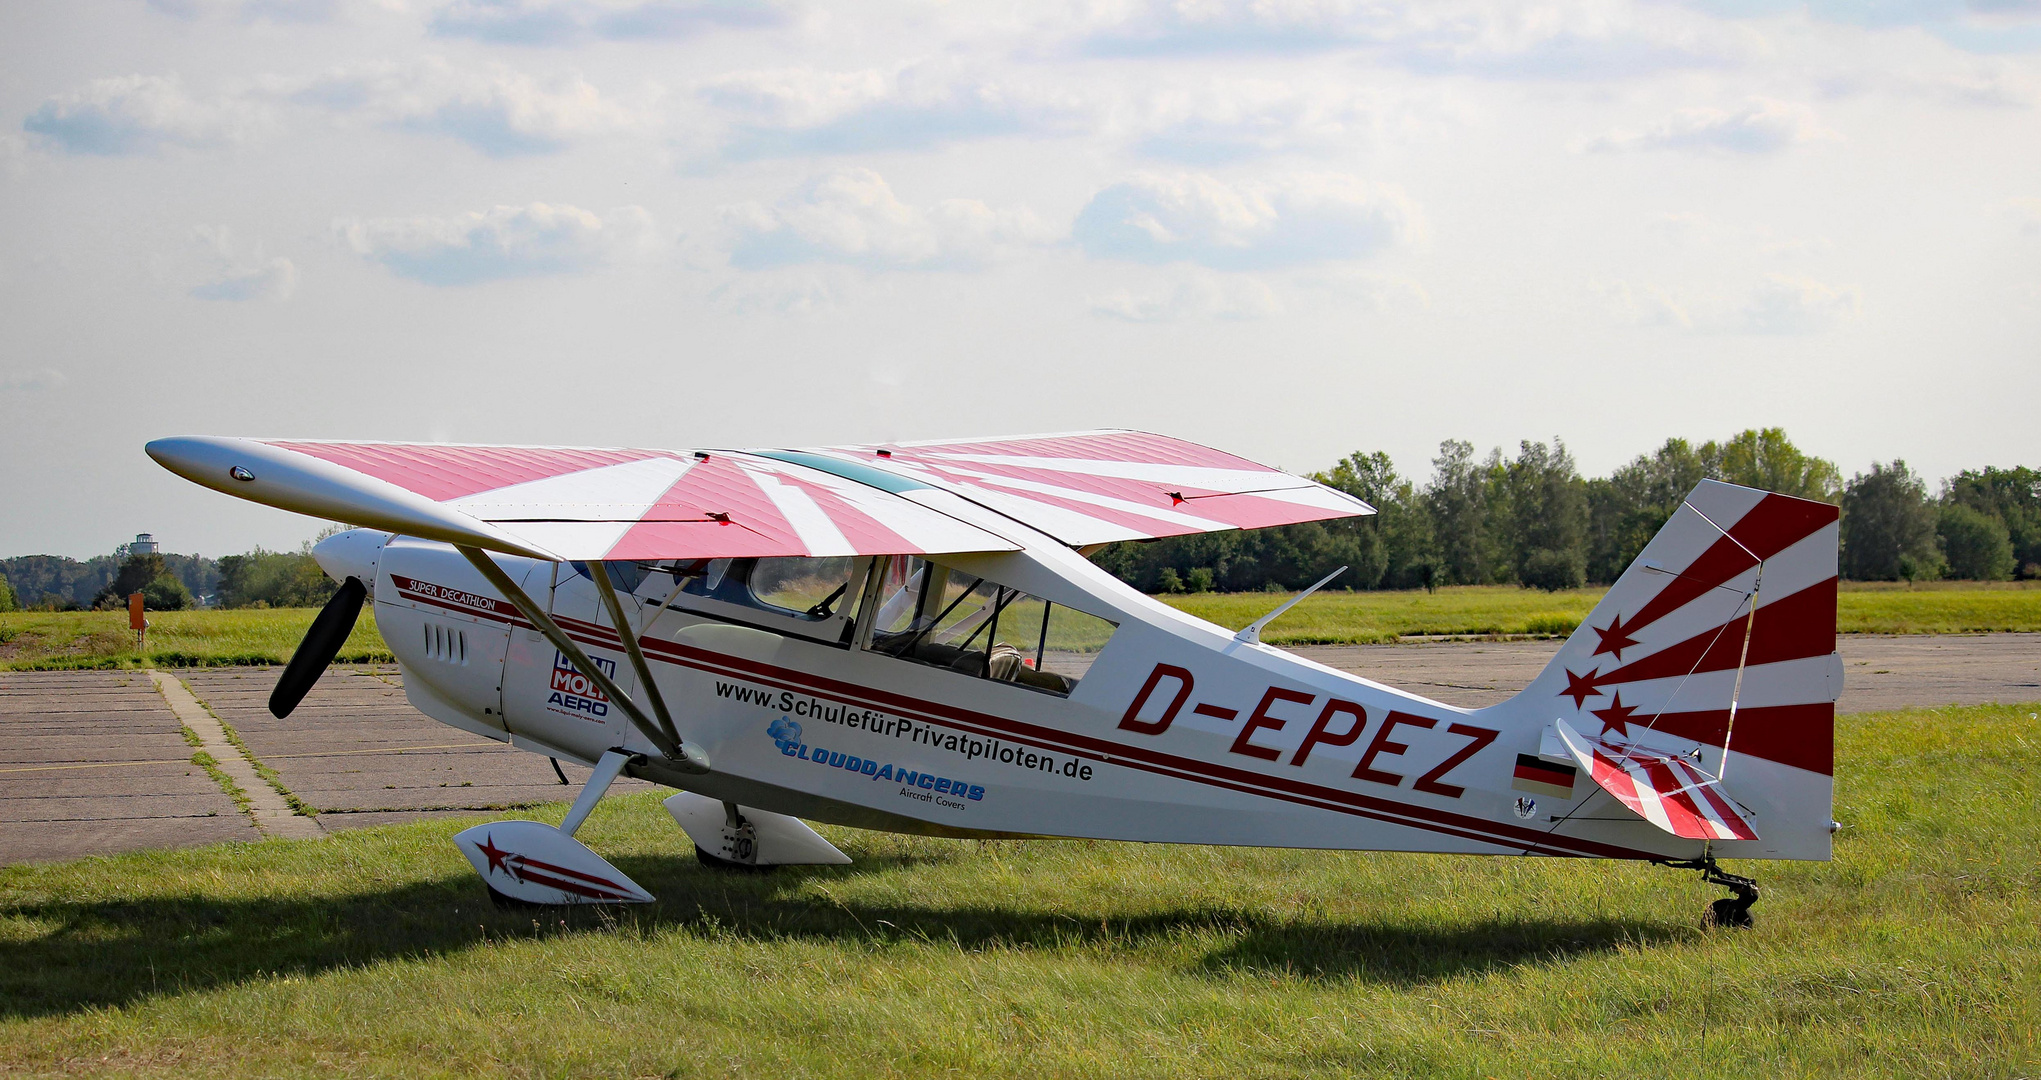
{"points": [[272, 815]]}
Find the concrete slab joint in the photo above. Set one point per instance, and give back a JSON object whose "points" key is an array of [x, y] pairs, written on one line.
{"points": [[271, 814]]}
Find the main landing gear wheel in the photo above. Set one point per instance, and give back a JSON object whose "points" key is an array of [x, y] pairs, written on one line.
{"points": [[731, 866]]}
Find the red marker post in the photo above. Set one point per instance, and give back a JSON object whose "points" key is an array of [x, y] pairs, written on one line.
{"points": [[136, 622]]}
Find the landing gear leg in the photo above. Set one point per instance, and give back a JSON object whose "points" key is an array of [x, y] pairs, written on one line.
{"points": [[1730, 911]]}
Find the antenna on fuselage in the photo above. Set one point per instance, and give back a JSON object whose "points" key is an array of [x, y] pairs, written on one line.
{"points": [[1251, 633]]}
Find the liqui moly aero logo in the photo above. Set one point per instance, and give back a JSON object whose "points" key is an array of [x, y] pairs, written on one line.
{"points": [[575, 693]]}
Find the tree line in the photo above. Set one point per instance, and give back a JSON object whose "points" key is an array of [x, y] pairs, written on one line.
{"points": [[1532, 520], [256, 579]]}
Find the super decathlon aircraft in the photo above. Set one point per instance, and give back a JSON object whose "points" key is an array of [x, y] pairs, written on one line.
{"points": [[909, 638]]}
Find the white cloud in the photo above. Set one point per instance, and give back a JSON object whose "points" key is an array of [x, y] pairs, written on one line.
{"points": [[851, 216], [273, 279], [1192, 217], [1780, 304], [498, 111], [139, 114], [240, 272], [1575, 39], [28, 379], [280, 11], [1756, 126], [1987, 84], [786, 290], [502, 242], [1796, 305], [1230, 119], [573, 22], [1197, 295], [1690, 230], [797, 111]]}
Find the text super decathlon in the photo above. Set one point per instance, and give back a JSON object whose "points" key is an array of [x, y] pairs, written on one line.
{"points": [[910, 638]]}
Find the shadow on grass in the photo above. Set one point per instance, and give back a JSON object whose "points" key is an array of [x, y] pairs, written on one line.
{"points": [[111, 954]]}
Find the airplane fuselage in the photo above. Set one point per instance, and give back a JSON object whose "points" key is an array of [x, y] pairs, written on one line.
{"points": [[1176, 732]]}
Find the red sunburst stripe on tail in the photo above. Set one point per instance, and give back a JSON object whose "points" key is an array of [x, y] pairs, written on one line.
{"points": [[1792, 627], [1802, 736], [1776, 523]]}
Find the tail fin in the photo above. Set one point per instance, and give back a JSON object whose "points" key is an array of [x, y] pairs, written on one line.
{"points": [[1673, 664]]}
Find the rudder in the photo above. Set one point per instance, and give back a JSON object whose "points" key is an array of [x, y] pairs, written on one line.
{"points": [[1671, 660]]}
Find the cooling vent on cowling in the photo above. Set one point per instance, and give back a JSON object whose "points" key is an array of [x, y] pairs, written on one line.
{"points": [[446, 644]]}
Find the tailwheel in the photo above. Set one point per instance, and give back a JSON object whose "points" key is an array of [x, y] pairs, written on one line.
{"points": [[1731, 911]]}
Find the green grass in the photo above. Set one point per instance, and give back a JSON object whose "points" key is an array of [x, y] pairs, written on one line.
{"points": [[375, 953], [101, 639], [1361, 618], [75, 639]]}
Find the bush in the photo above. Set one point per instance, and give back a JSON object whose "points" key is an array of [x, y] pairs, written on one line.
{"points": [[148, 575], [1169, 581], [166, 593], [1553, 570], [1977, 545], [1201, 579]]}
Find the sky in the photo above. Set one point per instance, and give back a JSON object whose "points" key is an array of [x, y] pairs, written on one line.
{"points": [[1292, 229]]}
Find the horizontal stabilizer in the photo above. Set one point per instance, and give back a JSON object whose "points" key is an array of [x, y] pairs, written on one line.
{"points": [[1667, 790]]}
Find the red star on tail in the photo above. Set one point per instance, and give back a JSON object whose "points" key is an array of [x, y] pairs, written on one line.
{"points": [[1613, 718], [1580, 688], [1614, 638]]}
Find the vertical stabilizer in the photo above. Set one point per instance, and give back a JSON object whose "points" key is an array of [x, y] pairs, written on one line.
{"points": [[1673, 662]]}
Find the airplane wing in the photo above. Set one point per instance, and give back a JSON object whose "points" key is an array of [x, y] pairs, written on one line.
{"points": [[1665, 789], [1097, 487], [570, 503]]}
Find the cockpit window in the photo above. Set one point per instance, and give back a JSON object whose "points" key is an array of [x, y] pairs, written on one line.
{"points": [[809, 588], [815, 590], [932, 614]]}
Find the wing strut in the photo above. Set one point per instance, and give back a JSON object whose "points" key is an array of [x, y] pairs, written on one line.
{"points": [[686, 758], [600, 574]]}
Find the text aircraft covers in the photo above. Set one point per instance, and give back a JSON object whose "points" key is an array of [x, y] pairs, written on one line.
{"points": [[1102, 486], [571, 503]]}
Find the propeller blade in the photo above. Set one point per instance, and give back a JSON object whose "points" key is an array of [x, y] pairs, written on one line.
{"points": [[322, 643]]}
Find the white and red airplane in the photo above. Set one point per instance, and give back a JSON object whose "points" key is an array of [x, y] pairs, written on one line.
{"points": [[910, 638]]}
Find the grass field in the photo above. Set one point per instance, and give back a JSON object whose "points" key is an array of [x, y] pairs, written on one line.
{"points": [[1339, 618], [185, 638], [1917, 952], [99, 639]]}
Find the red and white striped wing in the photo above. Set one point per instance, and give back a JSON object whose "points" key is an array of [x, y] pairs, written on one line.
{"points": [[1667, 790], [1098, 487], [578, 503]]}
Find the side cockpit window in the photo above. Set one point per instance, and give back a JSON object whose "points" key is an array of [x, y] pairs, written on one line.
{"points": [[932, 614], [816, 591]]}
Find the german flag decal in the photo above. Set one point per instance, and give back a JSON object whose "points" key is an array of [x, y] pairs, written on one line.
{"points": [[1536, 775]]}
